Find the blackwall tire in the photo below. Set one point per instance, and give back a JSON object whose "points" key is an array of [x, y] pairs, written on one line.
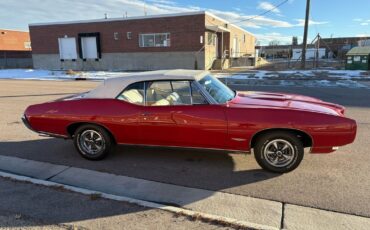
{"points": [[279, 152], [92, 142]]}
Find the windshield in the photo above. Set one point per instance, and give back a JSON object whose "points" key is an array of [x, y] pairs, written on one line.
{"points": [[220, 92]]}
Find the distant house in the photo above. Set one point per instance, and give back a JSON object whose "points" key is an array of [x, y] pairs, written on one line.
{"points": [[192, 40], [358, 58], [15, 49]]}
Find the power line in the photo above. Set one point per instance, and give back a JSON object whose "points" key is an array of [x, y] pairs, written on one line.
{"points": [[261, 14]]}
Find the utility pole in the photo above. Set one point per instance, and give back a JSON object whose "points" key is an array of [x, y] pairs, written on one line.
{"points": [[317, 50], [303, 63]]}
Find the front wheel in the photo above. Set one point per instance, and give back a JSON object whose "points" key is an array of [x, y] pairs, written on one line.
{"points": [[279, 152], [92, 142]]}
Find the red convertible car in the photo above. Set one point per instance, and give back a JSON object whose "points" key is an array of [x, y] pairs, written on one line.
{"points": [[189, 108]]}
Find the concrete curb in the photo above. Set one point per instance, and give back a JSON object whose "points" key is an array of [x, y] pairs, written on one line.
{"points": [[180, 211], [229, 209], [35, 169], [242, 208]]}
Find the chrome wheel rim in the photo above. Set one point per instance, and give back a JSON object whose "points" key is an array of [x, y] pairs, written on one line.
{"points": [[91, 142], [279, 153]]}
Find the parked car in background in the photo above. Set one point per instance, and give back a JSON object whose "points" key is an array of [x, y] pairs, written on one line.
{"points": [[188, 108]]}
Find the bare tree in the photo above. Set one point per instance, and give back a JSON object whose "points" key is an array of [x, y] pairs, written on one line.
{"points": [[295, 41], [274, 43]]}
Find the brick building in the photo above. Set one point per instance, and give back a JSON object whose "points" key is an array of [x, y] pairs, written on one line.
{"points": [[184, 40], [338, 47], [15, 49]]}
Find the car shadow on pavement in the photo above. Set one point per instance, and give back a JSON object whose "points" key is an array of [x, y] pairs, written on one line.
{"points": [[205, 169]]}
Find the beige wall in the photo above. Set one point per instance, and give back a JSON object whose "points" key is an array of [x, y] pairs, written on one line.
{"points": [[210, 49], [246, 46]]}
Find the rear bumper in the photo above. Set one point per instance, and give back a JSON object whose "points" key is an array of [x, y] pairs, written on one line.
{"points": [[27, 123], [41, 133]]}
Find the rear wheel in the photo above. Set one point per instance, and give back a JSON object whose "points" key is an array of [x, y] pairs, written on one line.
{"points": [[92, 142], [279, 152]]}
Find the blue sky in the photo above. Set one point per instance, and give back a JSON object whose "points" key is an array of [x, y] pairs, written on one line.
{"points": [[337, 18]]}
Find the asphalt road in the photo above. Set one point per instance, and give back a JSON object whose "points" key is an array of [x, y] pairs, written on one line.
{"points": [[338, 181], [29, 206]]}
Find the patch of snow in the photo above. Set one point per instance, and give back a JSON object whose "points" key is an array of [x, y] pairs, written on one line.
{"points": [[345, 73], [238, 77], [262, 74], [324, 83], [350, 84], [286, 83], [33, 74]]}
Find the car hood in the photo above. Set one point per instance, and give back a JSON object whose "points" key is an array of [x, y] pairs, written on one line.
{"points": [[287, 101]]}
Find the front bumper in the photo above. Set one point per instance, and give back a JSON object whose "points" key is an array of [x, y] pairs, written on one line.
{"points": [[324, 149]]}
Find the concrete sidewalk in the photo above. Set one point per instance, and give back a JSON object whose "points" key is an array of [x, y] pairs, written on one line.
{"points": [[272, 214]]}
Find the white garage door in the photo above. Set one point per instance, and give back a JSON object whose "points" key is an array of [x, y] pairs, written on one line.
{"points": [[67, 48], [89, 48]]}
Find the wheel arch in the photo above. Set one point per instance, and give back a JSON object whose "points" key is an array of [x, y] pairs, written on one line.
{"points": [[71, 129], [306, 138]]}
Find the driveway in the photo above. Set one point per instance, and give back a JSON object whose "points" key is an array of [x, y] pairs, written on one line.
{"points": [[337, 181]]}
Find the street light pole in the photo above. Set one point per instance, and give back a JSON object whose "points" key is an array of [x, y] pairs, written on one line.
{"points": [[303, 63]]}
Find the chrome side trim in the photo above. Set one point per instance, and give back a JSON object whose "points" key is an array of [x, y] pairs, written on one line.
{"points": [[238, 139], [46, 134], [185, 147]]}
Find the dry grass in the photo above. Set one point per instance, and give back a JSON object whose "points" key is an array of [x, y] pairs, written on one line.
{"points": [[95, 196], [72, 72], [200, 218]]}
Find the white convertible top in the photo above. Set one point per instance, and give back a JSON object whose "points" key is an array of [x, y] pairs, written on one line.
{"points": [[110, 88]]}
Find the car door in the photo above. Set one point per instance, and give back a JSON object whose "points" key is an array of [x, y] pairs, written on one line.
{"points": [[129, 113], [156, 124], [176, 114]]}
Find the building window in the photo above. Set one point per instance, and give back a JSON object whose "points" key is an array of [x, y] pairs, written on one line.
{"points": [[211, 38], [67, 48], [244, 38], [129, 35], [27, 45], [115, 35], [154, 40]]}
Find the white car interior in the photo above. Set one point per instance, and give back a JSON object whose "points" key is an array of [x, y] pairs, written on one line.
{"points": [[159, 93], [133, 96]]}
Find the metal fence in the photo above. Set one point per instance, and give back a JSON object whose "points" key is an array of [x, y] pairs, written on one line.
{"points": [[287, 63]]}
